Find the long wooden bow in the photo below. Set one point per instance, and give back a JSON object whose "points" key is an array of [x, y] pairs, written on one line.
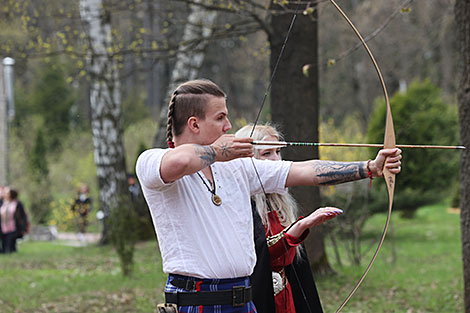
{"points": [[389, 142]]}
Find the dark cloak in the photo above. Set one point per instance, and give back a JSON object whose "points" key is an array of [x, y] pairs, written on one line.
{"points": [[262, 283]]}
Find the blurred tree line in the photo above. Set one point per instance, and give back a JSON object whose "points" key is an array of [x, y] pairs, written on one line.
{"points": [[52, 145]]}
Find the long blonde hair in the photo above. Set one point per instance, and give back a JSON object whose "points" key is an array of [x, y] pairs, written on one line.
{"points": [[284, 204]]}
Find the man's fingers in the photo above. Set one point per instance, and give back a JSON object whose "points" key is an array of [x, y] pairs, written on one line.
{"points": [[393, 164], [243, 140], [395, 170], [390, 152]]}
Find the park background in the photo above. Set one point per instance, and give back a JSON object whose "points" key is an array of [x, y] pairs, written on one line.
{"points": [[91, 86]]}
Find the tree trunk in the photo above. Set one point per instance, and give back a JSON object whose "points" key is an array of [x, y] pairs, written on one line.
{"points": [[462, 16], [189, 59], [294, 105], [155, 82], [106, 110]]}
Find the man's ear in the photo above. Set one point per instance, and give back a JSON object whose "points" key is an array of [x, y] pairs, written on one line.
{"points": [[193, 124]]}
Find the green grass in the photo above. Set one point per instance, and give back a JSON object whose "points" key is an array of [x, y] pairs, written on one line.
{"points": [[425, 275], [48, 277]]}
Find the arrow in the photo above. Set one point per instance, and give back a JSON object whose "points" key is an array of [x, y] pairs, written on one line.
{"points": [[275, 144]]}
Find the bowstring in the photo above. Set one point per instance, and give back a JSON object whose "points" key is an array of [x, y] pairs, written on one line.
{"points": [[268, 203], [268, 89]]}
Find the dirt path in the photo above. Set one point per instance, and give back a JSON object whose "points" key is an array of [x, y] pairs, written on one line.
{"points": [[76, 239]]}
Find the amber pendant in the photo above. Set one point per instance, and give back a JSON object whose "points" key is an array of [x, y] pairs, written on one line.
{"points": [[216, 200]]}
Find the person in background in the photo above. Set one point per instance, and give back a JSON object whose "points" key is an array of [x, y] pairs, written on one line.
{"points": [[134, 188], [2, 195], [283, 262], [13, 219], [81, 207]]}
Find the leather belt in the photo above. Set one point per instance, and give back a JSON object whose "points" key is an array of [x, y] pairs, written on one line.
{"points": [[237, 297]]}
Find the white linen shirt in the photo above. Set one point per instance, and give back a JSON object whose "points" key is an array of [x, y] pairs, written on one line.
{"points": [[196, 237]]}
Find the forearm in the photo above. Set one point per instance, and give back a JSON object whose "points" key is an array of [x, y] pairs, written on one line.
{"points": [[298, 228], [284, 244], [324, 173], [186, 159]]}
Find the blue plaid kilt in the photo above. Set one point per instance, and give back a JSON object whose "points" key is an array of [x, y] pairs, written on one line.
{"points": [[212, 285]]}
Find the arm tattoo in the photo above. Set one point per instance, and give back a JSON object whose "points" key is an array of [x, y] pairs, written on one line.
{"points": [[224, 149], [206, 154], [331, 173]]}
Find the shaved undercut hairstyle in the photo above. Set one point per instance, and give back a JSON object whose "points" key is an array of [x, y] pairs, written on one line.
{"points": [[189, 99]]}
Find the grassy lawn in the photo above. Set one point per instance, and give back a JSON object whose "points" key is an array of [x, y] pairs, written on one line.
{"points": [[424, 276], [49, 277], [419, 268]]}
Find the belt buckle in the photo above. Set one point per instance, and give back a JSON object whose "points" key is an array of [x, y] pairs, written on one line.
{"points": [[190, 285], [238, 296]]}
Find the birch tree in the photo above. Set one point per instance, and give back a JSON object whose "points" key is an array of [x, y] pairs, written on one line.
{"points": [[189, 57], [106, 109]]}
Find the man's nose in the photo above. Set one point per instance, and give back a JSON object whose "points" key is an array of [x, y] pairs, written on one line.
{"points": [[228, 126]]}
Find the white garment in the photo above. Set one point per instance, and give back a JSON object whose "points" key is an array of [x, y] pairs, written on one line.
{"points": [[196, 237]]}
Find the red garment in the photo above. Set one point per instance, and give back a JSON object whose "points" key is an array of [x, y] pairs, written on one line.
{"points": [[281, 258]]}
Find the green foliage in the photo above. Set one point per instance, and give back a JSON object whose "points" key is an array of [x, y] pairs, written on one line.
{"points": [[134, 109], [62, 216], [53, 99], [142, 147], [40, 193], [347, 230], [40, 199], [145, 228], [136, 137], [352, 198], [455, 202], [348, 131], [123, 233], [73, 167], [43, 115], [420, 117], [38, 161]]}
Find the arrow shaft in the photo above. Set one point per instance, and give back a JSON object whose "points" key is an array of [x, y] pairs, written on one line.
{"points": [[362, 145]]}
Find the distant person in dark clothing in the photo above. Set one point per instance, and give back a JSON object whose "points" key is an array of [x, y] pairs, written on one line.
{"points": [[81, 207], [13, 220], [134, 188], [2, 195]]}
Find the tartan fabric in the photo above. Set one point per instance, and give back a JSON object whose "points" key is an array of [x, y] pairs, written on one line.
{"points": [[212, 285]]}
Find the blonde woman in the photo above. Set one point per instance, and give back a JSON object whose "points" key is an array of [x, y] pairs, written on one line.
{"points": [[281, 235]]}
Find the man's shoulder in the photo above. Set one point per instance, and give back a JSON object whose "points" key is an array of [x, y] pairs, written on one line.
{"points": [[150, 154]]}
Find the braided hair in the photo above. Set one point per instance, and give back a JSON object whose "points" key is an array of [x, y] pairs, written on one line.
{"points": [[189, 99], [169, 124]]}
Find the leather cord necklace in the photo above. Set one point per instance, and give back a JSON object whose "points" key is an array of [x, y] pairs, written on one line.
{"points": [[215, 198]]}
